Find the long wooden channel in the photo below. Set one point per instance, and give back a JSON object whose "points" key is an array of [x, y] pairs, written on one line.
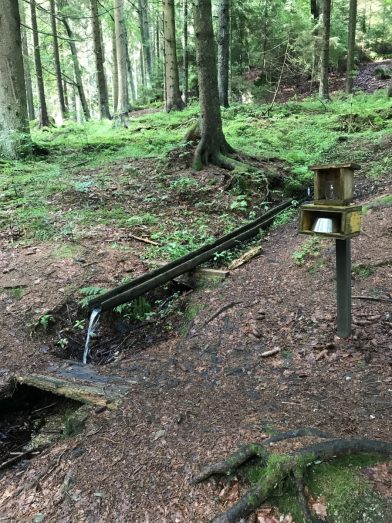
{"points": [[150, 280]]}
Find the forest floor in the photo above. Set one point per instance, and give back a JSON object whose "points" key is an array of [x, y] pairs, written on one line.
{"points": [[198, 385]]}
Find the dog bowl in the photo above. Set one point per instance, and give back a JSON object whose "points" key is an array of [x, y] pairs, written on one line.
{"points": [[324, 225]]}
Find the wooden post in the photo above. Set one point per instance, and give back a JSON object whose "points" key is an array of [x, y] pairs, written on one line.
{"points": [[343, 287]]}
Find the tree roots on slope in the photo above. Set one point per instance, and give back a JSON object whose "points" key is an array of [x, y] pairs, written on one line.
{"points": [[279, 467]]}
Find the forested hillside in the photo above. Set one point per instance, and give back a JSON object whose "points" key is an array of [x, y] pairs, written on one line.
{"points": [[171, 347]]}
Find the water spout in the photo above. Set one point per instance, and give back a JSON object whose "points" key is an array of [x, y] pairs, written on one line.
{"points": [[91, 328]]}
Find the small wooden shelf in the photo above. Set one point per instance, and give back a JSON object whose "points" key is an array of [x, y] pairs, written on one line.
{"points": [[333, 183], [346, 220]]}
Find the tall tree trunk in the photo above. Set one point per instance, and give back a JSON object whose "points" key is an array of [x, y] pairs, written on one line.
{"points": [[173, 95], [26, 63], [78, 73], [14, 127], [121, 45], [158, 39], [324, 66], [145, 36], [213, 143], [224, 51], [103, 100], [56, 54], [43, 115], [114, 71], [185, 88], [131, 82], [352, 26], [314, 9], [65, 91]]}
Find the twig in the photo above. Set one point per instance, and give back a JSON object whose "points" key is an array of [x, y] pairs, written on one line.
{"points": [[221, 310], [14, 459], [370, 298], [144, 240], [270, 352]]}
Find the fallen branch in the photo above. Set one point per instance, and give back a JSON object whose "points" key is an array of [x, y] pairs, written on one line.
{"points": [[19, 456], [371, 298], [271, 352], [144, 240], [279, 467], [247, 256], [220, 311]]}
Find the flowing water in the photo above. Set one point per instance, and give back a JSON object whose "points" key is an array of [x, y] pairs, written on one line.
{"points": [[91, 328]]}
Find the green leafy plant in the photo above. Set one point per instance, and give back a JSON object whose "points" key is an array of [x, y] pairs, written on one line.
{"points": [[240, 203], [309, 249], [45, 321], [89, 293]]}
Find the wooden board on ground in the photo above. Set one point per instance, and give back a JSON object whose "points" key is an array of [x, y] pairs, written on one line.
{"points": [[81, 383]]}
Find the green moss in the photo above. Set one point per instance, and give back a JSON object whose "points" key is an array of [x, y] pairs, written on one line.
{"points": [[65, 251], [16, 293], [349, 496], [382, 201]]}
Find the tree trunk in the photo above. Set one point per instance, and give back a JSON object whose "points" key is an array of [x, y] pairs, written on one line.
{"points": [[103, 101], [114, 71], [56, 55], [131, 82], [224, 51], [213, 143], [43, 115], [78, 73], [14, 127], [324, 67], [65, 91], [352, 26], [314, 9], [121, 45], [173, 95], [145, 36], [26, 63], [185, 88]]}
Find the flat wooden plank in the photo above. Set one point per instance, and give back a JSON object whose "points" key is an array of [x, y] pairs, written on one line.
{"points": [[353, 166]]}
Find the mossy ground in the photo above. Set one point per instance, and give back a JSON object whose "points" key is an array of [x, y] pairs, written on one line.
{"points": [[349, 497], [87, 178]]}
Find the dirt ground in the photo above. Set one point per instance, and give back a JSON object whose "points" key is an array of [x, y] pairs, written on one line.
{"points": [[195, 397]]}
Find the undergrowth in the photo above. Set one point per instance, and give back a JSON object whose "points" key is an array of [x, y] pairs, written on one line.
{"points": [[87, 180]]}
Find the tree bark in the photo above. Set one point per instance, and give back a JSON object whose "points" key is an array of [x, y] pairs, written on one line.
{"points": [[352, 26], [121, 46], [56, 55], [172, 84], [314, 9], [145, 37], [131, 82], [77, 70], [324, 66], [114, 71], [43, 111], [14, 127], [26, 63], [224, 51], [185, 88], [103, 101], [213, 143]]}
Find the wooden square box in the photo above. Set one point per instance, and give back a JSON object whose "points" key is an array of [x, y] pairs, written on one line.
{"points": [[346, 220], [333, 184]]}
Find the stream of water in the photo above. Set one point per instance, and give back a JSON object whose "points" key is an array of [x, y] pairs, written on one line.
{"points": [[94, 318]]}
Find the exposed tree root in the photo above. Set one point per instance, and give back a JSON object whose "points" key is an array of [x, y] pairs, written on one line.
{"points": [[279, 467], [209, 151]]}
